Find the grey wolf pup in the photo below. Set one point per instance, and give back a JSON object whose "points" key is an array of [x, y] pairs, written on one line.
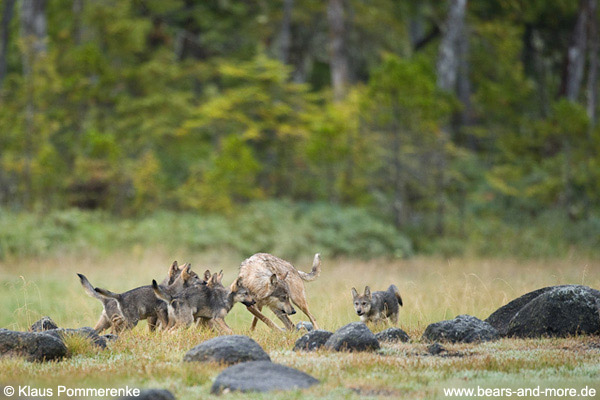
{"points": [[141, 303], [208, 303], [379, 306], [275, 283], [111, 316]]}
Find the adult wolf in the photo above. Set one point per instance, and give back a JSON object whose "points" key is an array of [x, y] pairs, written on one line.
{"points": [[275, 283]]}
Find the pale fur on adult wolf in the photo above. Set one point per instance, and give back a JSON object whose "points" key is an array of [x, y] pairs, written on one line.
{"points": [[377, 306], [208, 303], [141, 303], [275, 283]]}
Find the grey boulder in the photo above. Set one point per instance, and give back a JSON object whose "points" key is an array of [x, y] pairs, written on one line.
{"points": [[261, 376], [392, 335], [559, 312], [85, 332], [500, 318], [227, 350], [34, 346], [109, 337], [305, 325], [355, 336], [312, 341], [43, 324], [462, 329]]}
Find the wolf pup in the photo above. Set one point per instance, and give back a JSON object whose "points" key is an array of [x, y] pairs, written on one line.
{"points": [[379, 306], [208, 303], [274, 282], [111, 316], [141, 303]]}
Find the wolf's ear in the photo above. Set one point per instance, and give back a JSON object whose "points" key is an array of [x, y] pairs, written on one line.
{"points": [[173, 269], [285, 276], [237, 284], [273, 280], [186, 273], [220, 276], [354, 293], [367, 292], [207, 275]]}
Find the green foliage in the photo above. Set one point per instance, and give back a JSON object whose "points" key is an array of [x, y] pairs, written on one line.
{"points": [[341, 157], [137, 107], [548, 163], [286, 229], [407, 113], [230, 177]]}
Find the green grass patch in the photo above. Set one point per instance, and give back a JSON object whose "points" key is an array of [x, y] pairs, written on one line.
{"points": [[432, 289]]}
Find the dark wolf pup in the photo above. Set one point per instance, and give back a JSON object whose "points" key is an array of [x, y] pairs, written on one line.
{"points": [[141, 303], [207, 304], [111, 316], [379, 306]]}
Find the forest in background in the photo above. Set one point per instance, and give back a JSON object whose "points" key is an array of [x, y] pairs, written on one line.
{"points": [[361, 127]]}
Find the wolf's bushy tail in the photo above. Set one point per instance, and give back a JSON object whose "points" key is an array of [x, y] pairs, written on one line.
{"points": [[314, 273], [87, 286], [160, 293], [396, 293]]}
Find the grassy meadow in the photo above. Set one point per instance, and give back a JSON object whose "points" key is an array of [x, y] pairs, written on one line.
{"points": [[432, 289]]}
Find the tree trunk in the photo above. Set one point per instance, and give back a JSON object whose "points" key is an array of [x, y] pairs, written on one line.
{"points": [[285, 36], [33, 34], [7, 14], [452, 77], [449, 54], [592, 83], [77, 21], [576, 54], [399, 205], [338, 60], [463, 87]]}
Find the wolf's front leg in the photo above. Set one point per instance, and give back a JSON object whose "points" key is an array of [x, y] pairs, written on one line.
{"points": [[289, 325]]}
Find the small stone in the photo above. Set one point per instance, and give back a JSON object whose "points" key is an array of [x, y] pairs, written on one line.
{"points": [[44, 324], [435, 349], [392, 335], [463, 329], [312, 340], [355, 336], [304, 325]]}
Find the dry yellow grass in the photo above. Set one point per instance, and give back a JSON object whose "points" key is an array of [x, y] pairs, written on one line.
{"points": [[432, 290]]}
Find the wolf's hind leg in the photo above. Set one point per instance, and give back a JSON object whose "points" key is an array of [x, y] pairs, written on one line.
{"points": [[103, 323], [303, 306]]}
